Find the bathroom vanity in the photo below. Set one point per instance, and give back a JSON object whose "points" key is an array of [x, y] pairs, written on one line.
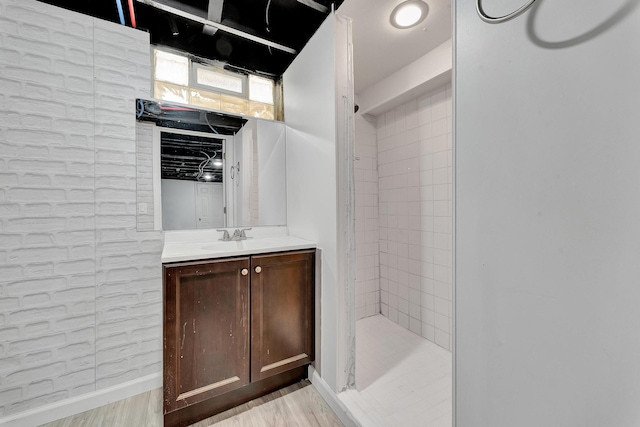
{"points": [[238, 322]]}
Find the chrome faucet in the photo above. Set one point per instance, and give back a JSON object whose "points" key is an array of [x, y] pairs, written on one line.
{"points": [[239, 234], [225, 236]]}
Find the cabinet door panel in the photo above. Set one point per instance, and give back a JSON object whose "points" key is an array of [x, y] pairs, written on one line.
{"points": [[206, 331], [282, 295]]}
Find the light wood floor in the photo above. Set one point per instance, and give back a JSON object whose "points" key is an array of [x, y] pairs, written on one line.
{"points": [[298, 405]]}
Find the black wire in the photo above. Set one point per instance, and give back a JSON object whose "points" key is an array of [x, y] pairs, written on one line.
{"points": [[206, 116], [266, 17]]}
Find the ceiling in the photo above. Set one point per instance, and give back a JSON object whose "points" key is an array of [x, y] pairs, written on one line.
{"points": [[260, 36], [291, 23], [381, 49], [185, 156], [191, 158]]}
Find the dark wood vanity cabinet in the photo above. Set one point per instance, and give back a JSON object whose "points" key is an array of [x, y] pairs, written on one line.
{"points": [[282, 295], [206, 331], [235, 329]]}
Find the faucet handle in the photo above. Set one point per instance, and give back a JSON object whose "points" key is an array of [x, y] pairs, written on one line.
{"points": [[242, 234], [225, 236]]}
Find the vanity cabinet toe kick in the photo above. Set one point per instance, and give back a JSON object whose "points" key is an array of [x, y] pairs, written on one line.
{"points": [[235, 329]]}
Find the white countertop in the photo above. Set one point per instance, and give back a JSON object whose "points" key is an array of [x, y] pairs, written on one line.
{"points": [[197, 250]]}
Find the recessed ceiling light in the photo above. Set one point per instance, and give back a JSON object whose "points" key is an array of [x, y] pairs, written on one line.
{"points": [[409, 13], [207, 177], [217, 163]]}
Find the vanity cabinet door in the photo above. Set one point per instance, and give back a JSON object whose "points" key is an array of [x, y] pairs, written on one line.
{"points": [[206, 330], [282, 312]]}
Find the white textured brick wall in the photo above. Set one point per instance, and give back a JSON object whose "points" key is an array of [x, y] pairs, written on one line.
{"points": [[144, 179], [128, 271], [80, 288], [47, 245]]}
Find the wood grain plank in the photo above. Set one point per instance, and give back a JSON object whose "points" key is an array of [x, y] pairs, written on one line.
{"points": [[298, 405], [154, 413], [133, 410], [311, 408]]}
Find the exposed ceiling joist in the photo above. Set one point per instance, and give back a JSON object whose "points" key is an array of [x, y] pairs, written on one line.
{"points": [[314, 5], [168, 6], [214, 13]]}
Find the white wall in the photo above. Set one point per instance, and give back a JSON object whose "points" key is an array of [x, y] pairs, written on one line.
{"points": [[252, 187], [144, 176], [271, 171], [547, 205], [258, 194], [243, 142], [313, 211], [426, 73], [80, 289], [415, 180], [128, 276], [178, 204], [311, 172], [366, 224]]}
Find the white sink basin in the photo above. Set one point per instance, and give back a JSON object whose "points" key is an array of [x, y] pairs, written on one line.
{"points": [[244, 244], [221, 246]]}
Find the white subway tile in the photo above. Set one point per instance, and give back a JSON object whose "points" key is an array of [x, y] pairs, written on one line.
{"points": [[414, 212]]}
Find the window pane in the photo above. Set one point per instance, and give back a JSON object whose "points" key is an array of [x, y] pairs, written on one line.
{"points": [[258, 109], [172, 68], [205, 99], [170, 92], [219, 80], [234, 104], [261, 89]]}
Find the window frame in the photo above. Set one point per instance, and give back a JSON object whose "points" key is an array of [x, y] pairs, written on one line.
{"points": [[195, 62], [193, 79]]}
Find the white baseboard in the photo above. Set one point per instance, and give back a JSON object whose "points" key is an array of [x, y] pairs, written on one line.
{"points": [[75, 405], [332, 399]]}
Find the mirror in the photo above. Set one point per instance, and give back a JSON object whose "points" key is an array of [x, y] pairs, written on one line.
{"points": [[210, 169]]}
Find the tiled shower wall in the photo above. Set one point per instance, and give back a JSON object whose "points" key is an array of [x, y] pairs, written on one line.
{"points": [[415, 215], [367, 242]]}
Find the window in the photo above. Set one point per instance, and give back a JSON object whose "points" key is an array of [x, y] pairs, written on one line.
{"points": [[206, 99], [171, 68], [219, 79], [261, 89], [178, 79], [170, 92]]}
